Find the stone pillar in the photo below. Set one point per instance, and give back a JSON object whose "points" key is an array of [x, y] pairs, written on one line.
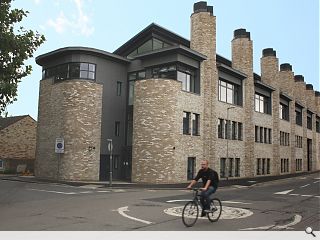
{"points": [[286, 79], [203, 40], [269, 75], [242, 60], [299, 87], [72, 110]]}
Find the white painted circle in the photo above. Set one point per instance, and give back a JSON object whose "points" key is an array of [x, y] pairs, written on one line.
{"points": [[227, 212]]}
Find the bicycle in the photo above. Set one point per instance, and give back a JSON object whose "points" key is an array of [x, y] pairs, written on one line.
{"points": [[190, 212]]}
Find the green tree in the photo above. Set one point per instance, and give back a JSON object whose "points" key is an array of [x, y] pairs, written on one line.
{"points": [[16, 46]]}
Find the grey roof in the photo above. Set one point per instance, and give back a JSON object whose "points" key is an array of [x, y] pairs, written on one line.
{"points": [[42, 59], [6, 122]]}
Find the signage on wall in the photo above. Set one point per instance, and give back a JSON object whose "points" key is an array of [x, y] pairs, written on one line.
{"points": [[59, 146]]}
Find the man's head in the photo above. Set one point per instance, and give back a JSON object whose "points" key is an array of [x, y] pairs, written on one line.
{"points": [[204, 164]]}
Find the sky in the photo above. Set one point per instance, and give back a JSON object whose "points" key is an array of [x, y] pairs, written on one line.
{"points": [[291, 27]]}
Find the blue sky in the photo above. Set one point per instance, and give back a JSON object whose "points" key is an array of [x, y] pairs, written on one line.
{"points": [[291, 27]]}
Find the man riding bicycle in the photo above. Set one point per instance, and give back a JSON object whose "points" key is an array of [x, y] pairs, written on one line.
{"points": [[210, 180]]}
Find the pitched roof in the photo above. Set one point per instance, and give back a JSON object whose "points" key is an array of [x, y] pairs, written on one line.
{"points": [[6, 122]]}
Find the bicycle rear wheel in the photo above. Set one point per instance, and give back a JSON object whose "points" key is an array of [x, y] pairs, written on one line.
{"points": [[215, 210], [190, 214]]}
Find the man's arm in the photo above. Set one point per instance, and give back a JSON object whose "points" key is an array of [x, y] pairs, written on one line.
{"points": [[205, 188], [193, 182]]}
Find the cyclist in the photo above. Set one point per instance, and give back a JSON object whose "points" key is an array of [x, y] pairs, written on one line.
{"points": [[210, 180]]}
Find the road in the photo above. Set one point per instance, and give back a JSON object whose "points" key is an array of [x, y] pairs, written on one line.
{"points": [[286, 204]]}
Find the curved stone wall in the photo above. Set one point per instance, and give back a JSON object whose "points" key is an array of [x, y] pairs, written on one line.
{"points": [[72, 110]]}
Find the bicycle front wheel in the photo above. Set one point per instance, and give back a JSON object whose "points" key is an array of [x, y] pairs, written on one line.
{"points": [[215, 210], [190, 214]]}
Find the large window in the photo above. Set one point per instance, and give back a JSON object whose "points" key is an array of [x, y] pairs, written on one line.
{"points": [[263, 135], [132, 77], [229, 92], [298, 165], [298, 112], [185, 74], [263, 166], [284, 165], [284, 139], [148, 46], [70, 71], [229, 129], [230, 168], [195, 119]]}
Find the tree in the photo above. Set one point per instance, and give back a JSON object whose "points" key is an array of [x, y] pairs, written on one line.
{"points": [[16, 46]]}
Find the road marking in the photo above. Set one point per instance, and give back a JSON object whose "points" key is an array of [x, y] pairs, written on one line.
{"points": [[316, 178], [294, 194], [306, 195], [316, 181], [179, 200], [40, 190], [305, 186], [297, 219], [235, 202], [103, 191], [125, 209], [284, 192], [86, 192], [227, 212], [90, 186]]}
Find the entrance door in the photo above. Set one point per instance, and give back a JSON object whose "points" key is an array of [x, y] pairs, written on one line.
{"points": [[309, 154], [191, 167]]}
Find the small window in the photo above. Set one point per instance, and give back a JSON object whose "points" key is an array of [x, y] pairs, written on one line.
{"points": [[117, 129], [222, 167], [195, 124], [1, 164], [119, 88], [186, 123], [115, 161], [240, 131]]}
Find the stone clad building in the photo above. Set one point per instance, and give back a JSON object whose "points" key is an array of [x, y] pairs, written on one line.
{"points": [[167, 103]]}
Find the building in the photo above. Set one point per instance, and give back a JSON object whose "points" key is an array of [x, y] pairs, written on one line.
{"points": [[167, 102], [17, 144]]}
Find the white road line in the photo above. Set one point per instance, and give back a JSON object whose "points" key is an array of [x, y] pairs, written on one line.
{"points": [[86, 192], [125, 209], [306, 195], [294, 194], [235, 202], [297, 219], [316, 178], [316, 181], [284, 192], [103, 191], [179, 200], [305, 185], [40, 190]]}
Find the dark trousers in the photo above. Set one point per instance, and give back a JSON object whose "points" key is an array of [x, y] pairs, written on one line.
{"points": [[205, 197]]}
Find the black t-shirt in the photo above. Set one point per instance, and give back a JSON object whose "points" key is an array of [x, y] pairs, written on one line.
{"points": [[208, 175]]}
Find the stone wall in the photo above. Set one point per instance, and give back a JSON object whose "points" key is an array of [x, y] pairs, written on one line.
{"points": [[72, 110]]}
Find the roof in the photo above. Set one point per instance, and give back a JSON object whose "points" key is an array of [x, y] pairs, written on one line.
{"points": [[6, 122], [177, 48], [42, 59], [149, 30]]}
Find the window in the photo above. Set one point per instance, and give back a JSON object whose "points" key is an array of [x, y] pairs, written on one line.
{"points": [[220, 128], [261, 134], [229, 93], [309, 121], [150, 45], [119, 88], [169, 72], [131, 92], [298, 141], [270, 136], [195, 124], [268, 166], [284, 165], [284, 112], [191, 168], [227, 129], [298, 165], [263, 166], [117, 129], [258, 166], [1, 164], [284, 139], [186, 123], [237, 168], [234, 130], [256, 133], [70, 71], [265, 135], [298, 116], [318, 125], [231, 167], [259, 103], [240, 131], [222, 167]]}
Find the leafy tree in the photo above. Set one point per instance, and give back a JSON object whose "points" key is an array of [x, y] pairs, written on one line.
{"points": [[16, 46]]}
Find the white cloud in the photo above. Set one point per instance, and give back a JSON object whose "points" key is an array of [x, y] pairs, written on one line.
{"points": [[37, 2], [80, 22]]}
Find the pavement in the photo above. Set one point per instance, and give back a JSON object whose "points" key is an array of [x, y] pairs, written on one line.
{"points": [[123, 184]]}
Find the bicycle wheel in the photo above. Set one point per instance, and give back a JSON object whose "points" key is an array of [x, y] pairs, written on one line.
{"points": [[190, 214], [215, 210]]}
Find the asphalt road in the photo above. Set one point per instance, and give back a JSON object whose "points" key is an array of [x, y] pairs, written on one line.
{"points": [[286, 204]]}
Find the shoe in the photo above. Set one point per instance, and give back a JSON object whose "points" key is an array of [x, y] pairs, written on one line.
{"points": [[207, 211], [203, 214]]}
